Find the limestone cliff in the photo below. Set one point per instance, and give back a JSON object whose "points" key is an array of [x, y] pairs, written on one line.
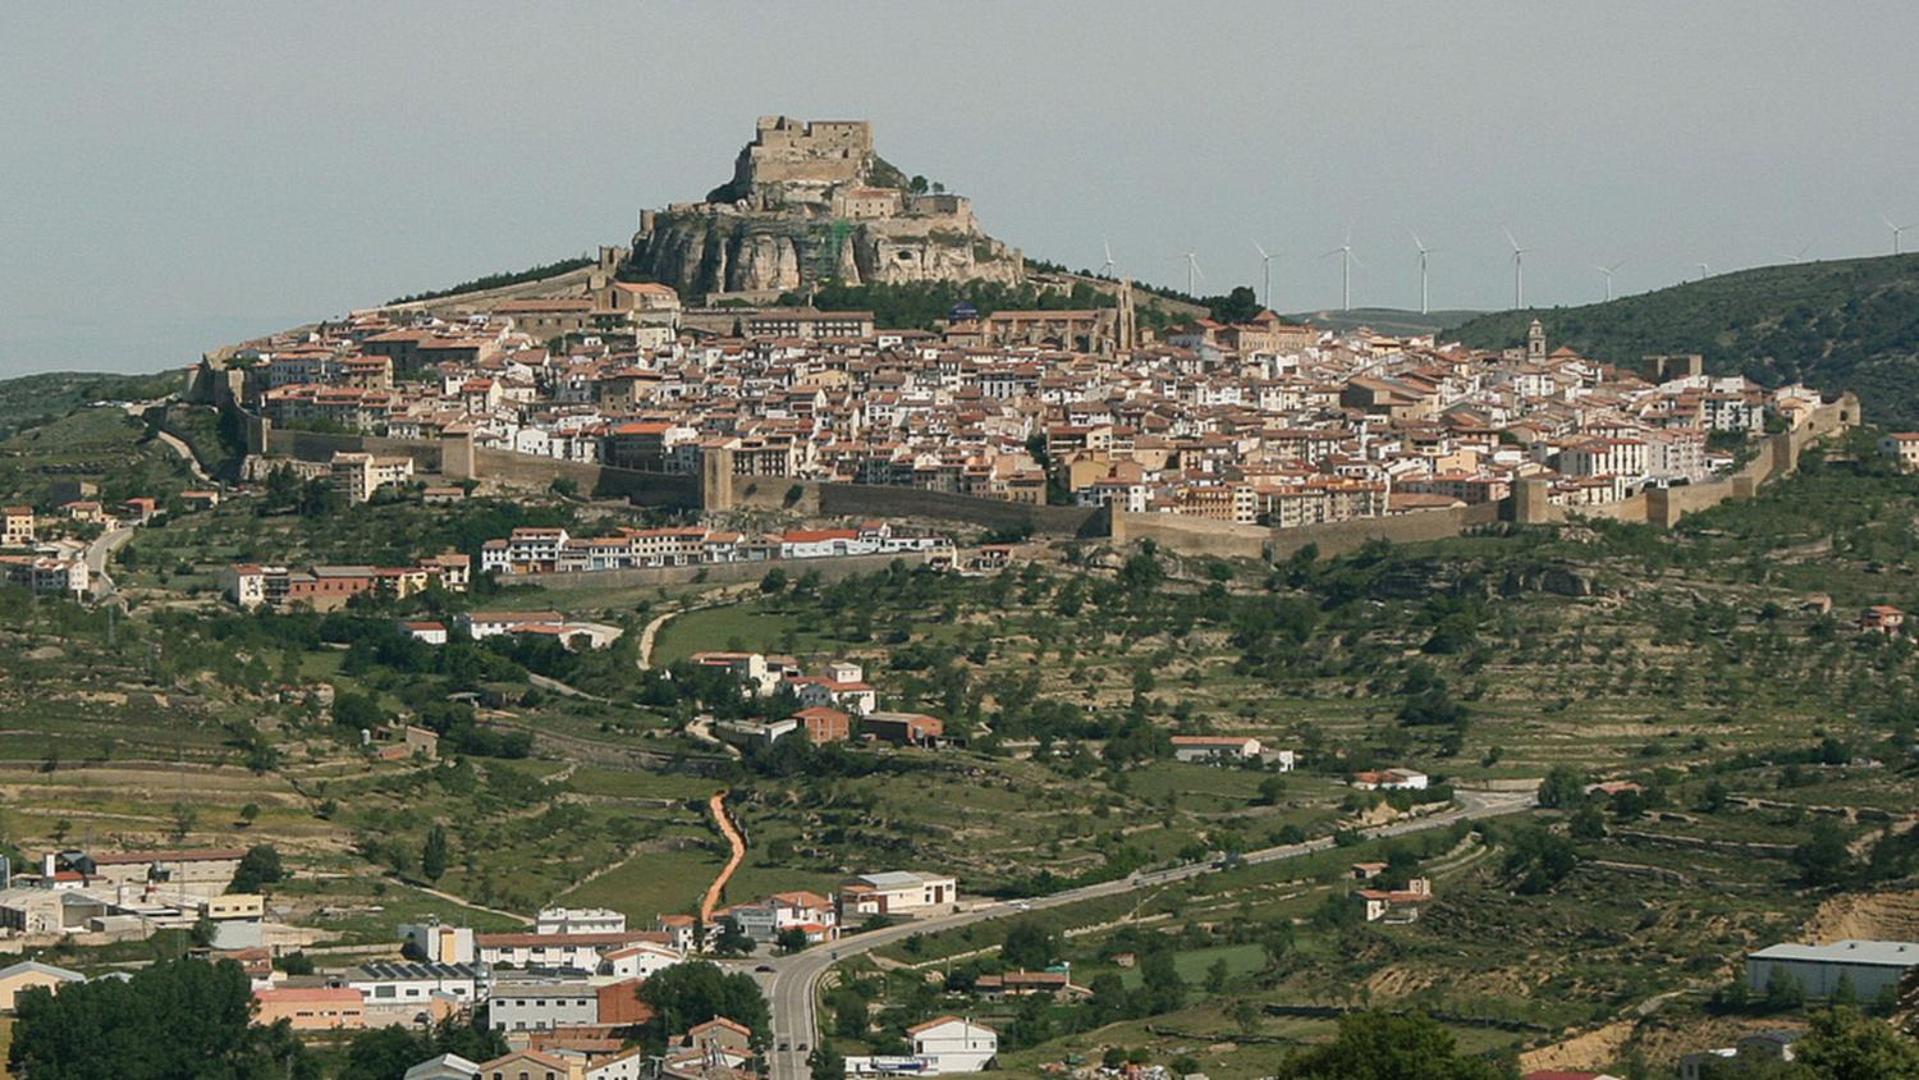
{"points": [[811, 202]]}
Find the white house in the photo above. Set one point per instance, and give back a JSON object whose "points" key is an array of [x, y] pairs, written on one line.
{"points": [[542, 1006], [430, 631], [952, 1045], [245, 584], [1217, 749], [579, 921], [626, 1065], [444, 1067], [896, 893], [808, 912], [388, 983], [640, 961], [1391, 780], [440, 944], [571, 952]]}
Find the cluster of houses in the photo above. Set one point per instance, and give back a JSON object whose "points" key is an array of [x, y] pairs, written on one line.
{"points": [[98, 898], [575, 634], [837, 705], [532, 550], [1259, 421], [563, 993], [329, 588], [57, 565]]}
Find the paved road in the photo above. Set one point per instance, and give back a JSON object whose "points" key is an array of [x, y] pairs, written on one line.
{"points": [[793, 985], [96, 555]]}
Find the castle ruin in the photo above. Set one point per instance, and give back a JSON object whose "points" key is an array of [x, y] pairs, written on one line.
{"points": [[811, 202]]}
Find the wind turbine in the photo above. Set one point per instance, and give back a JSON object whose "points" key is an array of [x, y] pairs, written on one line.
{"points": [[1192, 272], [1106, 268], [1896, 230], [1705, 269], [1800, 255], [1609, 271], [1423, 252], [1519, 270], [1266, 271], [1346, 261]]}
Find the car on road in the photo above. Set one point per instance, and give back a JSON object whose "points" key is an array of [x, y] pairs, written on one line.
{"points": [[784, 1045], [764, 967], [1022, 905]]}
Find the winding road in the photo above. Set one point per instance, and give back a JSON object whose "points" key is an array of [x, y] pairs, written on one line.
{"points": [[793, 984]]}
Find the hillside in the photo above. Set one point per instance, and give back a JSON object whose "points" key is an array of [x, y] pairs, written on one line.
{"points": [[1850, 324], [34, 400], [1384, 320]]}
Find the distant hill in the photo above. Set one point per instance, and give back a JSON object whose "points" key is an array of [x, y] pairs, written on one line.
{"points": [[1850, 324], [33, 400], [1396, 321]]}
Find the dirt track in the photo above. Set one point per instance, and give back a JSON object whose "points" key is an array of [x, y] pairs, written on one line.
{"points": [[711, 901]]}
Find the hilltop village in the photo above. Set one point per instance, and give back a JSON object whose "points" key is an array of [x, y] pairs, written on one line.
{"points": [[1256, 421], [632, 660]]}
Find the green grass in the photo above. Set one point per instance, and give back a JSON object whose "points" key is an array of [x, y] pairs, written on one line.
{"points": [[722, 628]]}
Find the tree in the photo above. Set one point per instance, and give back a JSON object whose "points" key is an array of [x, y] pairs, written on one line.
{"points": [[1244, 1014], [1824, 858], [1539, 860], [1271, 790], [1216, 974], [1237, 306], [1110, 1001], [1028, 945], [258, 868], [826, 1063], [250, 813], [1844, 1045], [1161, 987], [731, 940], [1712, 798], [697, 991], [177, 1018], [185, 816], [1376, 1046], [791, 940], [1563, 789], [774, 581], [1588, 824], [383, 1053], [433, 854]]}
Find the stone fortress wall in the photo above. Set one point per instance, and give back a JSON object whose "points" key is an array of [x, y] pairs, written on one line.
{"points": [[718, 489], [785, 150]]}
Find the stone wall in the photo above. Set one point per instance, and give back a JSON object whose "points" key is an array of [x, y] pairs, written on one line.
{"points": [[599, 481], [872, 500], [831, 568], [321, 446]]}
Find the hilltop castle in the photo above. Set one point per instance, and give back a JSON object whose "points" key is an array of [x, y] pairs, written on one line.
{"points": [[809, 202]]}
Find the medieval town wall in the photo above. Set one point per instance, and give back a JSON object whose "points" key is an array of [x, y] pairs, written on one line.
{"points": [[830, 568]]}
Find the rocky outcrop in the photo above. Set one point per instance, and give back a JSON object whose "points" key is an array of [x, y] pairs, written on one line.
{"points": [[702, 253], [811, 203]]}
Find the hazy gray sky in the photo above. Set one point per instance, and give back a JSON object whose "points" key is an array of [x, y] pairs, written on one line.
{"points": [[173, 176]]}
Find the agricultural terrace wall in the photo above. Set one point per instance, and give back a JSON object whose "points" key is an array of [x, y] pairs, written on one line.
{"points": [[830, 568]]}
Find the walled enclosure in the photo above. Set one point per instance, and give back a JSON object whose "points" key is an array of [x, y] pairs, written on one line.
{"points": [[1777, 456]]}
